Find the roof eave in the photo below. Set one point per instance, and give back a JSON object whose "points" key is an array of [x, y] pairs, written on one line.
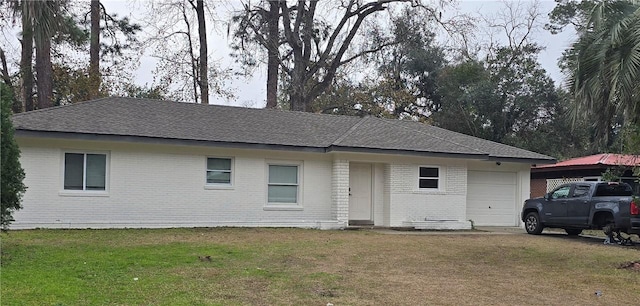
{"points": [[532, 161], [576, 167], [350, 149], [260, 146], [166, 141]]}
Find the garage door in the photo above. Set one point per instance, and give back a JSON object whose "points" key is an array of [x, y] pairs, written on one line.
{"points": [[491, 198]]}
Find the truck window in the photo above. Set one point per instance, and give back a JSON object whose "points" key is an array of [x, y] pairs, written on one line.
{"points": [[562, 192], [608, 190], [580, 191], [635, 184]]}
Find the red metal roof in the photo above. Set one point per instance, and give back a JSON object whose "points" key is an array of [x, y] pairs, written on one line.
{"points": [[606, 159]]}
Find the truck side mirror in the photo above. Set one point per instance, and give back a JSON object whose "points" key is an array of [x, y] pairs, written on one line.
{"points": [[547, 196]]}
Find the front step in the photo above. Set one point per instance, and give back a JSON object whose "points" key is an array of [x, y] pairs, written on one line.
{"points": [[360, 223]]}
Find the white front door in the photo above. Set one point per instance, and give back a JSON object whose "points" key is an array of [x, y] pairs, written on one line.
{"points": [[360, 193]]}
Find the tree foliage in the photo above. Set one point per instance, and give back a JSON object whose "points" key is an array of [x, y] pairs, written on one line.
{"points": [[41, 21], [146, 92], [377, 98], [57, 26], [555, 135], [411, 65], [12, 172], [606, 70], [504, 94], [119, 34], [573, 13], [508, 99], [403, 79], [50, 23]]}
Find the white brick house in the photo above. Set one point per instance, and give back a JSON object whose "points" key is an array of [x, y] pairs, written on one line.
{"points": [[120, 162]]}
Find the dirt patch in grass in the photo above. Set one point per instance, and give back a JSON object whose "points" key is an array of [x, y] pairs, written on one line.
{"points": [[309, 267], [630, 265]]}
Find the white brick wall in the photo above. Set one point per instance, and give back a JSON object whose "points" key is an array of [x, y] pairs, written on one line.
{"points": [[456, 180], [409, 203], [163, 186]]}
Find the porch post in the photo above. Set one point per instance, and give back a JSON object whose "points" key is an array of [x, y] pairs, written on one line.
{"points": [[340, 191]]}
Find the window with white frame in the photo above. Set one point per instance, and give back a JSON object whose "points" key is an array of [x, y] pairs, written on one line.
{"points": [[85, 171], [219, 171], [429, 178], [283, 184]]}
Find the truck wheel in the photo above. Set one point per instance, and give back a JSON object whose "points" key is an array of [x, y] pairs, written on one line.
{"points": [[532, 223], [573, 231]]}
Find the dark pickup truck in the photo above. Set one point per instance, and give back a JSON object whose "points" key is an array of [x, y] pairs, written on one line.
{"points": [[576, 206]]}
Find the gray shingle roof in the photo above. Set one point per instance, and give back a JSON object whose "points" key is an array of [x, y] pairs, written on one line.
{"points": [[166, 120]]}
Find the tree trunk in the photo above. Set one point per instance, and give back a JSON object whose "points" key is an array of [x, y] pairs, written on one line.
{"points": [[94, 51], [295, 100], [204, 66], [272, 49], [44, 71], [5, 71], [193, 59], [16, 105], [298, 96], [26, 60]]}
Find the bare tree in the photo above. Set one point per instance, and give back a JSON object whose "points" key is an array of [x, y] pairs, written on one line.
{"points": [[311, 49], [511, 27], [314, 67], [185, 67]]}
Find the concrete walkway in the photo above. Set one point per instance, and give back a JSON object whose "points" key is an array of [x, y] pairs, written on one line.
{"points": [[480, 230], [502, 229]]}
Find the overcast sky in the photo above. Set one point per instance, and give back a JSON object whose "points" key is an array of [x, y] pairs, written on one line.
{"points": [[251, 92]]}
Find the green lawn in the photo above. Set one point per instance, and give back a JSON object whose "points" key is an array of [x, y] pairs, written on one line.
{"points": [[309, 267]]}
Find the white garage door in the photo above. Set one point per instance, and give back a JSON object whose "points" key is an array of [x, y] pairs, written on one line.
{"points": [[491, 198]]}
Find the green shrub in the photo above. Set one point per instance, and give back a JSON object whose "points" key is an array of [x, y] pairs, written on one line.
{"points": [[12, 172]]}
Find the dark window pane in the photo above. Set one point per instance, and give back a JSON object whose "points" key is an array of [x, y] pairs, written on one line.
{"points": [[218, 164], [73, 171], [429, 183], [612, 189], [428, 172], [96, 171], [580, 191]]}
